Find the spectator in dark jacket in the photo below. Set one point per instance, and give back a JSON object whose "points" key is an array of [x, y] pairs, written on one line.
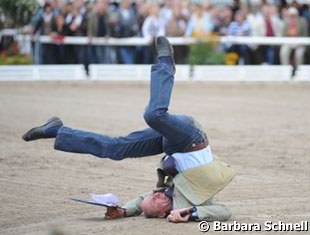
{"points": [[98, 27], [57, 34], [128, 24], [79, 27], [42, 26], [222, 21]]}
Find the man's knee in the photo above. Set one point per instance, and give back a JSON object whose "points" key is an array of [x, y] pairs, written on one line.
{"points": [[150, 116], [226, 214], [153, 117], [221, 213]]}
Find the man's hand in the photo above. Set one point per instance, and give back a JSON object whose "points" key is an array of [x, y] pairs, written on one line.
{"points": [[176, 217], [115, 213]]}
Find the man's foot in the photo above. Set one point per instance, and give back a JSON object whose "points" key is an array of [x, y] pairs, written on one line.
{"points": [[165, 49], [48, 130]]}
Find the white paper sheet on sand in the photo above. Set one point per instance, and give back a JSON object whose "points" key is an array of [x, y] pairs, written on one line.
{"points": [[107, 199]]}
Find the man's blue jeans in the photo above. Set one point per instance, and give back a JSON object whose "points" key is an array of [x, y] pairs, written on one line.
{"points": [[167, 133], [127, 55]]}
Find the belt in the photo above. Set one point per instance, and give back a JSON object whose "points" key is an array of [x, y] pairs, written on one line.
{"points": [[196, 147]]}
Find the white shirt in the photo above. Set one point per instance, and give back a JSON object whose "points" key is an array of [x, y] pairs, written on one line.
{"points": [[185, 161], [153, 27]]}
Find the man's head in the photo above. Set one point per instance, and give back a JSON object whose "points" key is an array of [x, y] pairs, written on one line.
{"points": [[240, 17], [126, 4], [156, 205], [293, 13], [154, 9], [266, 11], [101, 6]]}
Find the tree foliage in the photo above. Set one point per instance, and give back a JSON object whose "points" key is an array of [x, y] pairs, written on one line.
{"points": [[18, 11]]}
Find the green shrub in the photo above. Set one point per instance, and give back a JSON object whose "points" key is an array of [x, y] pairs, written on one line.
{"points": [[15, 60], [11, 56], [204, 53]]}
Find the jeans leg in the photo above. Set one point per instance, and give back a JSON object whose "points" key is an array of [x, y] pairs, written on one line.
{"points": [[137, 144], [270, 55], [178, 130], [127, 55], [148, 55], [92, 55], [101, 54]]}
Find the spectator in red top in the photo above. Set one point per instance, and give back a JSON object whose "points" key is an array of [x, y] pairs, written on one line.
{"points": [[268, 25], [58, 32]]}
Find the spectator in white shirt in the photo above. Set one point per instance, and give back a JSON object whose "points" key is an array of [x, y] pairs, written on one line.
{"points": [[166, 12], [152, 27], [200, 23]]}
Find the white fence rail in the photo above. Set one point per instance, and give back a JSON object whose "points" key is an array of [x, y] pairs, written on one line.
{"points": [[116, 72], [131, 72], [42, 72], [302, 73], [142, 73], [139, 41], [242, 73]]}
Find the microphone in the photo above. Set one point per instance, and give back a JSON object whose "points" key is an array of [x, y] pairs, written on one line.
{"points": [[188, 211], [185, 212]]}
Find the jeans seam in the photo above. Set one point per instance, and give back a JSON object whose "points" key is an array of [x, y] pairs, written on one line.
{"points": [[144, 139], [160, 86], [114, 137]]}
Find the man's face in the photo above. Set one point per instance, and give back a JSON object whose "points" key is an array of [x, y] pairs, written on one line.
{"points": [[293, 18], [266, 11], [156, 205], [101, 6], [239, 17], [126, 4]]}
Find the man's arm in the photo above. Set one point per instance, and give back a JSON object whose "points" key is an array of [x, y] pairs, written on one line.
{"points": [[131, 208], [213, 212]]}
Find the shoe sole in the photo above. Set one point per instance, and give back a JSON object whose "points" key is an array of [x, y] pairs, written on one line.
{"points": [[171, 51], [36, 132]]}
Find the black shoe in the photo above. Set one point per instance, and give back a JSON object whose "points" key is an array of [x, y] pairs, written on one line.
{"points": [[48, 130], [164, 48]]}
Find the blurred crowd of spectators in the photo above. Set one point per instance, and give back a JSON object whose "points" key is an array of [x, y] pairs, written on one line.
{"points": [[173, 18]]}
